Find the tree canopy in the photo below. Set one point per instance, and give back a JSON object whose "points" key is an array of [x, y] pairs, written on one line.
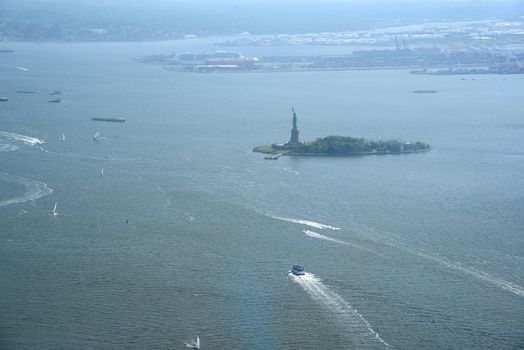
{"points": [[339, 145]]}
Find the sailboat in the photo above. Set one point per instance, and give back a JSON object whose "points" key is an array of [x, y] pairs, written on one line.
{"points": [[195, 344], [63, 137], [102, 172], [96, 136], [54, 212]]}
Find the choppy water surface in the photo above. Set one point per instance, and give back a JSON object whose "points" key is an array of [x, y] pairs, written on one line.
{"points": [[187, 232]]}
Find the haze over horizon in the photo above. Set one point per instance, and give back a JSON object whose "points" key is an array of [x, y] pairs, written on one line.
{"points": [[93, 20]]}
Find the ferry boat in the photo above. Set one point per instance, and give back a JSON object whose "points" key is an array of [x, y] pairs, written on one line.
{"points": [[273, 156], [297, 270]]}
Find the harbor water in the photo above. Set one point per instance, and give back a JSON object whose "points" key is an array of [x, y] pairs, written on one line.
{"points": [[187, 232]]}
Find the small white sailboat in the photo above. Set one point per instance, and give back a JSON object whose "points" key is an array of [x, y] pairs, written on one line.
{"points": [[96, 136], [54, 212], [195, 344], [102, 172], [63, 137]]}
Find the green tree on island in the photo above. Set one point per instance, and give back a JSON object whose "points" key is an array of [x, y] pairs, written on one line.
{"points": [[339, 145]]}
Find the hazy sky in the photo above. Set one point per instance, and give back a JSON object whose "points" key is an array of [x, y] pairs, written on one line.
{"points": [[210, 17]]}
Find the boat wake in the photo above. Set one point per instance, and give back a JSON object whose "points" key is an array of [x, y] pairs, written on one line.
{"points": [[313, 234], [359, 328], [316, 235], [468, 270], [25, 139], [306, 222], [291, 171], [86, 156], [506, 285], [16, 67], [33, 190], [168, 205], [5, 147], [189, 216]]}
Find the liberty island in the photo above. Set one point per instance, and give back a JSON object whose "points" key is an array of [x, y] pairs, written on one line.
{"points": [[334, 145]]}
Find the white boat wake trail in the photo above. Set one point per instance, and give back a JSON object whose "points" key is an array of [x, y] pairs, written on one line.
{"points": [[291, 171], [359, 329], [34, 190], [506, 285], [471, 271], [17, 137], [316, 235], [306, 222], [16, 67], [189, 216], [313, 234], [5, 147]]}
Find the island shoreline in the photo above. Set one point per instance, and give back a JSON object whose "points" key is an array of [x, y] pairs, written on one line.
{"points": [[296, 154]]}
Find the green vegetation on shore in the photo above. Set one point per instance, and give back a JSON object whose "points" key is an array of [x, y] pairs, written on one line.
{"points": [[343, 145]]}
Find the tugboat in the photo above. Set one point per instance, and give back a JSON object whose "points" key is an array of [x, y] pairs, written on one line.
{"points": [[297, 270], [273, 156]]}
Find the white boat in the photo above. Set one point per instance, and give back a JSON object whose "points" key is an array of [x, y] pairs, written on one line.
{"points": [[63, 137], [96, 136], [54, 212], [273, 156], [195, 344], [102, 172]]}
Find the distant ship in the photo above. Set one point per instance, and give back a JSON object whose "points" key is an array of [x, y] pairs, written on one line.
{"points": [[26, 92], [118, 120], [56, 92], [56, 100], [4, 99], [297, 270], [425, 91]]}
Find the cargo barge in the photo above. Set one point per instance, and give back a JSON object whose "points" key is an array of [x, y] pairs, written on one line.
{"points": [[117, 120]]}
